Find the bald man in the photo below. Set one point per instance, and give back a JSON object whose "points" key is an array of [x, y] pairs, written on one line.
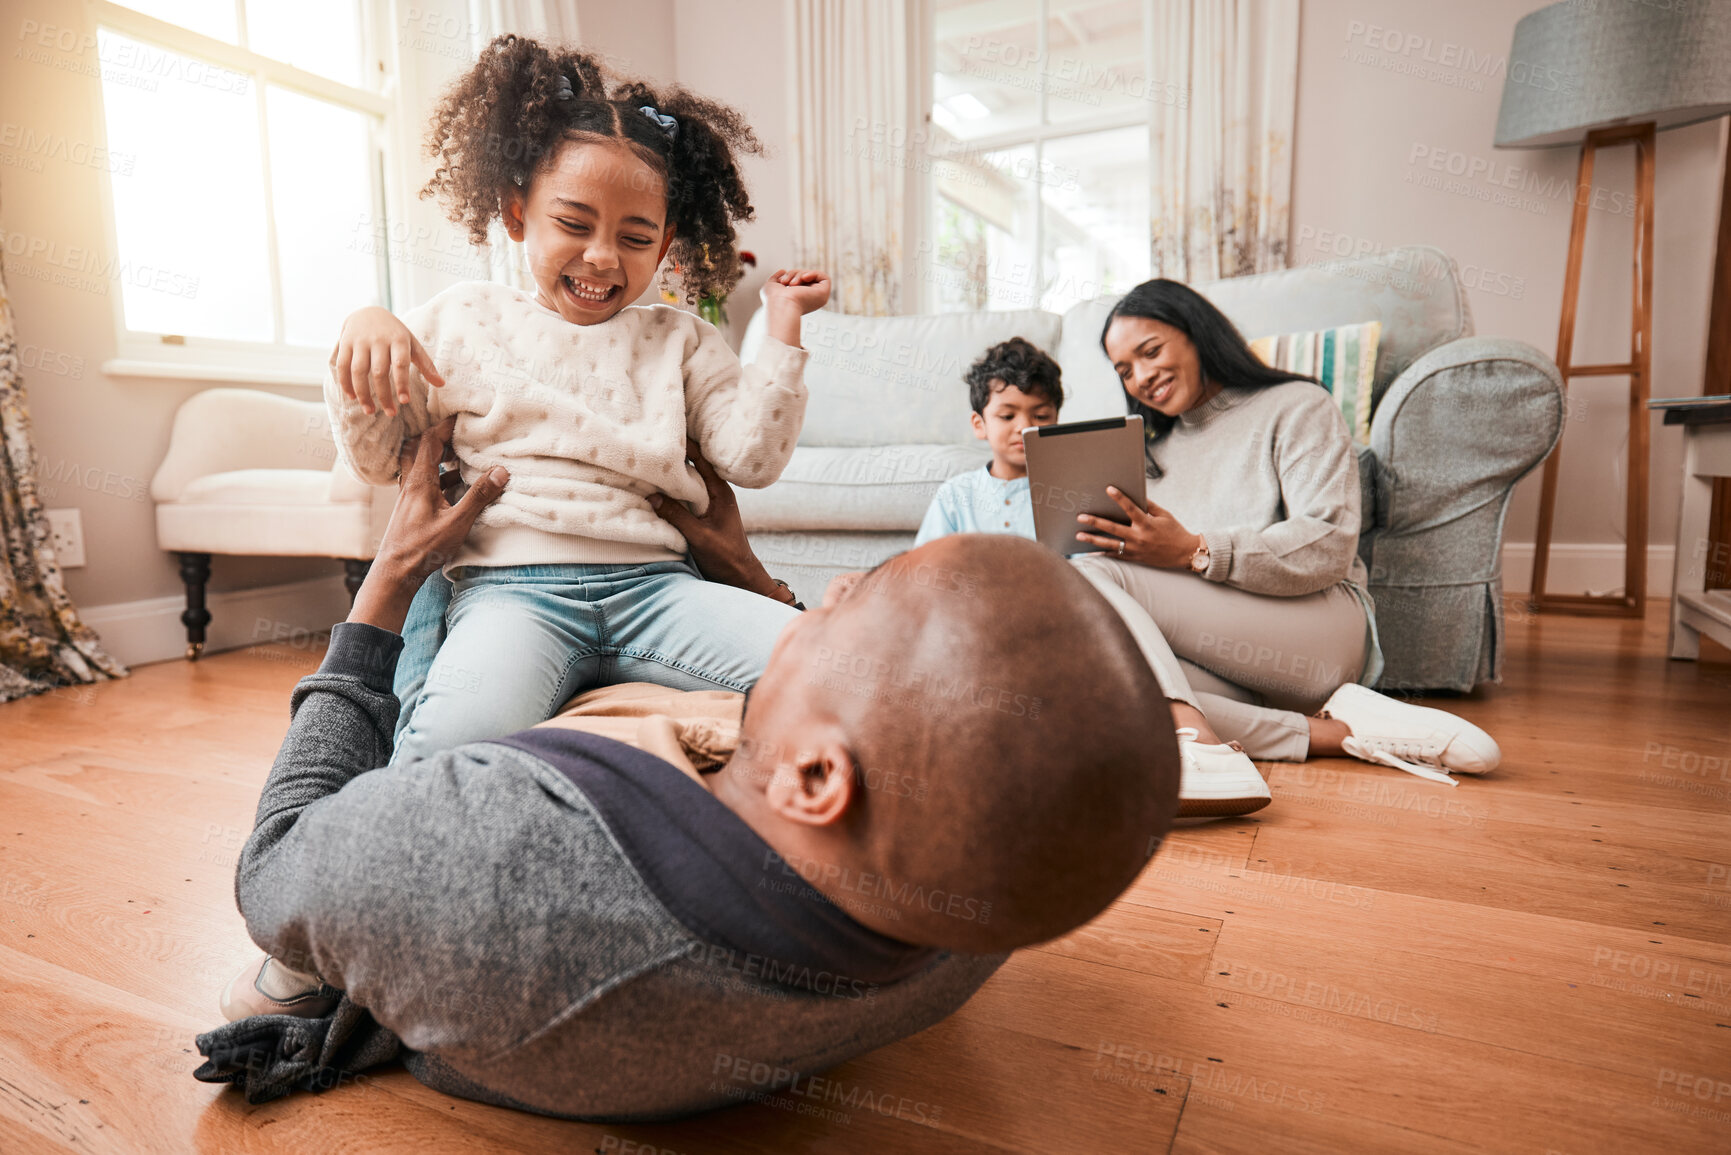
{"points": [[576, 925]]}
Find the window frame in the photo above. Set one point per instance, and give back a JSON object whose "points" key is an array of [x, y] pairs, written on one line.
{"points": [[144, 354], [1037, 135]]}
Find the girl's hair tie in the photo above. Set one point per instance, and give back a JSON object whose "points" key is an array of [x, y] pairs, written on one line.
{"points": [[564, 92], [667, 123]]}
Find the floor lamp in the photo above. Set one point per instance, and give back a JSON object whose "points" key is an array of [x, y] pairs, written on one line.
{"points": [[1599, 75]]}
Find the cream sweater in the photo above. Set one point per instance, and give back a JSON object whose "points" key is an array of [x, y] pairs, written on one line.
{"points": [[589, 420], [1269, 478]]}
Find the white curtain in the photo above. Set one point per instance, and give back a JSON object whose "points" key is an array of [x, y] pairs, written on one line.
{"points": [[553, 22], [849, 82], [1222, 147]]}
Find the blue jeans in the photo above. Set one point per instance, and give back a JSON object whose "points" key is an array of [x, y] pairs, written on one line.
{"points": [[501, 648]]}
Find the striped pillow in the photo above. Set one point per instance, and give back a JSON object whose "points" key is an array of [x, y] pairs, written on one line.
{"points": [[1342, 358]]}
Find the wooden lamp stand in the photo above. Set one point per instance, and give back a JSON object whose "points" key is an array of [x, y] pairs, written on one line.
{"points": [[1632, 602]]}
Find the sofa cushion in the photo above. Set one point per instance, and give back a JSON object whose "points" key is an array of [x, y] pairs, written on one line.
{"points": [[808, 561], [1415, 291], [267, 531], [875, 488], [268, 487], [1342, 359], [897, 380]]}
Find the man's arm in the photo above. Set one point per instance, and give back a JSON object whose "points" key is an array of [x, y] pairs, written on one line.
{"points": [[343, 716], [717, 538]]}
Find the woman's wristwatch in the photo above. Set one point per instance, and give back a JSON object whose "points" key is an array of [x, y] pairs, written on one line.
{"points": [[1199, 559], [792, 598]]}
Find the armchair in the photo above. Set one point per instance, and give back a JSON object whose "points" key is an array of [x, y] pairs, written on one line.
{"points": [[252, 473]]}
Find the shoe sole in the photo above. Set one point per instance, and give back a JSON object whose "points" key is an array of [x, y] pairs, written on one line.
{"points": [[1220, 807]]}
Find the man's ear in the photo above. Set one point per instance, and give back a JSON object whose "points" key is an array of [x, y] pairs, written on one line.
{"points": [[815, 786], [511, 211], [979, 424]]}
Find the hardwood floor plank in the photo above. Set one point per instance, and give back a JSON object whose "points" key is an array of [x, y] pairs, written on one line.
{"points": [[1333, 1072], [1160, 942]]}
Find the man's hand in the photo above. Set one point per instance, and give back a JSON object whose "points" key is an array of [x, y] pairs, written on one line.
{"points": [[425, 532], [717, 539], [789, 295], [372, 359]]}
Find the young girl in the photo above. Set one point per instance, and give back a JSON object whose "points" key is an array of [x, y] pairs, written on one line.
{"points": [[570, 579]]}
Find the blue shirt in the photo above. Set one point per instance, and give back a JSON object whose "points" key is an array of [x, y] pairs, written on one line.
{"points": [[977, 502]]}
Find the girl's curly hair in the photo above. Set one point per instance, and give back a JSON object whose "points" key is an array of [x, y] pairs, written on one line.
{"points": [[506, 118]]}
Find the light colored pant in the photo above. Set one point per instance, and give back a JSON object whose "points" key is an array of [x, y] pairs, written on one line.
{"points": [[519, 641], [1255, 665]]}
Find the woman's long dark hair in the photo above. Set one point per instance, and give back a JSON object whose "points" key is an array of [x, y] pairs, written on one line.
{"points": [[1221, 352]]}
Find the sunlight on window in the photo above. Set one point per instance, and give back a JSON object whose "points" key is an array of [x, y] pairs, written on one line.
{"points": [[987, 76], [213, 18], [324, 214], [1093, 59], [1039, 115], [1095, 190], [322, 36], [189, 218], [985, 237]]}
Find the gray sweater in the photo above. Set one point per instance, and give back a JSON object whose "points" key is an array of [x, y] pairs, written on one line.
{"points": [[554, 921], [1270, 480]]}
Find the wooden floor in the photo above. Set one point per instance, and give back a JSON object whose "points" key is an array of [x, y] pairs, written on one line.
{"points": [[1532, 962]]}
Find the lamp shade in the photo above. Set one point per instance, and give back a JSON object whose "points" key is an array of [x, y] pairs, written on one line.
{"points": [[1587, 64]]}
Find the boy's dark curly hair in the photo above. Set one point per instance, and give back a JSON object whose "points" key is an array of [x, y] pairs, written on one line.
{"points": [[1017, 362], [505, 119]]}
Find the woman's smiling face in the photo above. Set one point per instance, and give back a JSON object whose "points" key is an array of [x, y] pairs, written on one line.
{"points": [[1157, 365], [594, 223]]}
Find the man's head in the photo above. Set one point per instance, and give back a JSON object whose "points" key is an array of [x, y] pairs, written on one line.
{"points": [[968, 751], [1012, 386]]}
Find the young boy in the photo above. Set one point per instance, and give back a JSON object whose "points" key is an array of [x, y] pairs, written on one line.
{"points": [[1012, 386]]}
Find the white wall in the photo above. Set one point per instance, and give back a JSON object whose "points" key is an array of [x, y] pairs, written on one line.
{"points": [[1371, 117]]}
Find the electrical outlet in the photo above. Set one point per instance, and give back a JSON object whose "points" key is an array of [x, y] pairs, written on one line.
{"points": [[68, 529]]}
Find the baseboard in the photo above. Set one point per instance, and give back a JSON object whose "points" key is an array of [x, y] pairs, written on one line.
{"points": [[150, 631], [1584, 568]]}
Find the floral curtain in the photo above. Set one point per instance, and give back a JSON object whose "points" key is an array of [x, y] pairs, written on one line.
{"points": [[1222, 153], [43, 644], [849, 85]]}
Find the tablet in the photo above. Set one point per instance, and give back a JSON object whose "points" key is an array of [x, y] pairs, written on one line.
{"points": [[1069, 468]]}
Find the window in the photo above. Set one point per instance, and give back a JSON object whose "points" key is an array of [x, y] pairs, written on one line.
{"points": [[1039, 113], [244, 229]]}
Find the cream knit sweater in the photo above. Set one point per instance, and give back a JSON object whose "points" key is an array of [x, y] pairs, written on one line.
{"points": [[589, 420]]}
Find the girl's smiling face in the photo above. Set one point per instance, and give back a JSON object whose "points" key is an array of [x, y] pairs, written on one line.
{"points": [[1157, 364], [594, 223]]}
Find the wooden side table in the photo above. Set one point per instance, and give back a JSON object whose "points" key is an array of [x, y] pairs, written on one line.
{"points": [[1696, 610]]}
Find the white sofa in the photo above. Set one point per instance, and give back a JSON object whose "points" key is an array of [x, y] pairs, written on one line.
{"points": [[252, 473]]}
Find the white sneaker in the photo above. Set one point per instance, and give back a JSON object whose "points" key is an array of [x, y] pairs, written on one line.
{"points": [[1422, 741], [1217, 781]]}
